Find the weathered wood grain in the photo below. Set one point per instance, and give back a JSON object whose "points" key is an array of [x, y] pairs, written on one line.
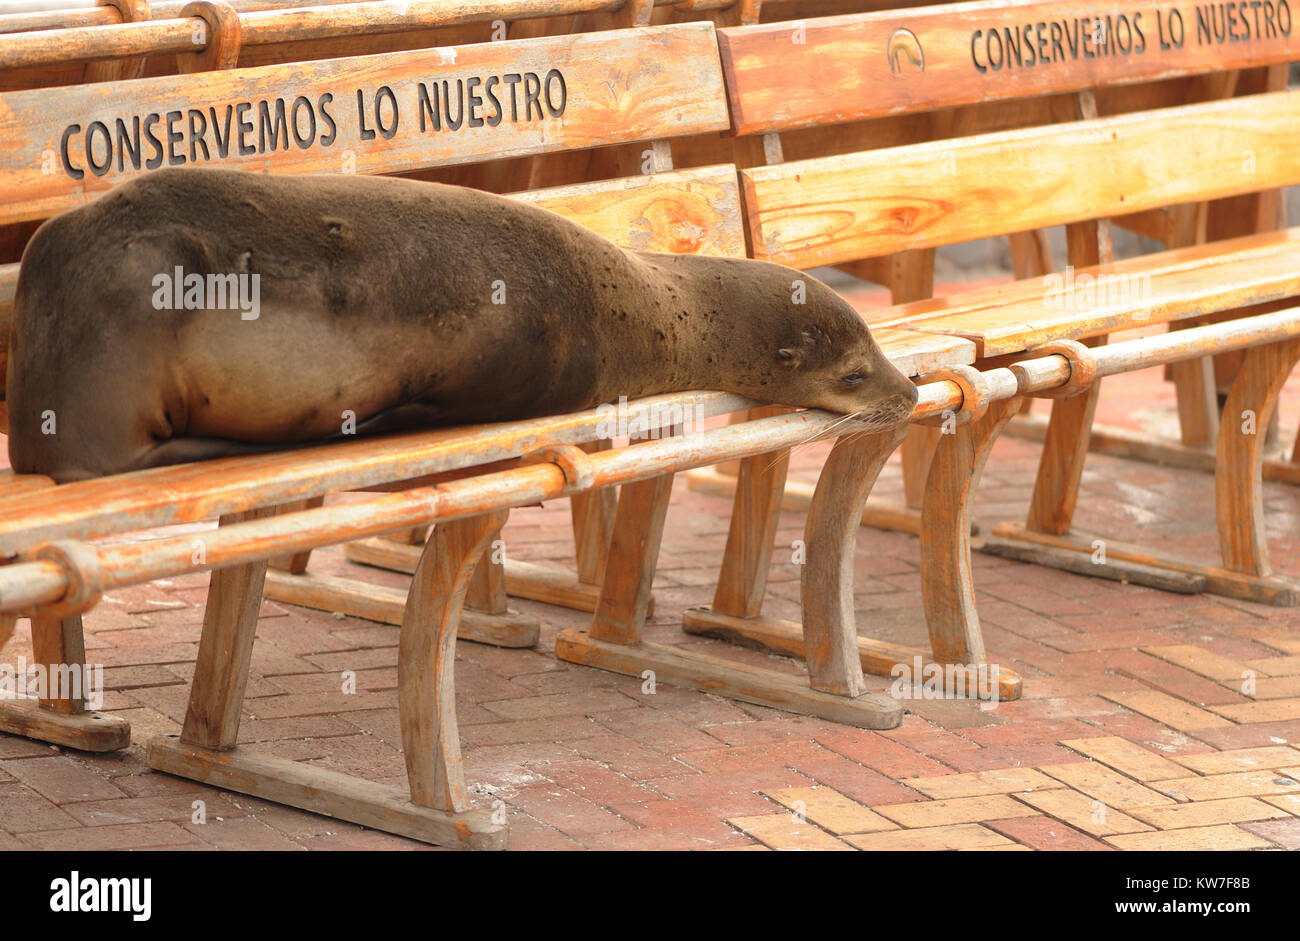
{"points": [[826, 210], [617, 87], [846, 68]]}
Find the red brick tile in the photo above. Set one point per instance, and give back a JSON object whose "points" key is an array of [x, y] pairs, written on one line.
{"points": [[61, 779], [129, 836], [567, 812], [880, 753], [23, 809], [1285, 833], [241, 833], [789, 754], [1045, 833]]}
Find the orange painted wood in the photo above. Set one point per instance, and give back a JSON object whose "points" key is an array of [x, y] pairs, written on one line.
{"points": [[947, 587], [755, 514], [1008, 318], [1238, 483], [836, 69], [615, 90], [830, 209], [225, 650], [826, 581], [190, 492], [1065, 447], [694, 211], [59, 645], [633, 555], [426, 660]]}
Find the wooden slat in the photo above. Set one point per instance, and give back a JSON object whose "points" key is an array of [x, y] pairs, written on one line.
{"points": [[1235, 273], [916, 353], [683, 211], [777, 73], [833, 209], [619, 86], [188, 492]]}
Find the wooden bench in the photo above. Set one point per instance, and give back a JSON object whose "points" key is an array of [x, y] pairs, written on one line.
{"points": [[841, 204], [694, 210], [456, 149], [57, 574]]}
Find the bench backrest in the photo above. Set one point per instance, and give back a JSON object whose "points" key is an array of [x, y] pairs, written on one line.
{"points": [[395, 113], [823, 78]]}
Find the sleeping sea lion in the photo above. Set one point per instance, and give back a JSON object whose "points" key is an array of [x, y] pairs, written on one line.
{"points": [[192, 314]]}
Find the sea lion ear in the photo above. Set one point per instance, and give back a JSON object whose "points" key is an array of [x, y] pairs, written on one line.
{"points": [[786, 356]]}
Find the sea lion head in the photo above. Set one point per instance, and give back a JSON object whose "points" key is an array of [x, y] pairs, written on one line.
{"points": [[817, 352]]}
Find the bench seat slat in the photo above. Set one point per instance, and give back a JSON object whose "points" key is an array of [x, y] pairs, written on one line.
{"points": [[1156, 288], [189, 492], [848, 207]]}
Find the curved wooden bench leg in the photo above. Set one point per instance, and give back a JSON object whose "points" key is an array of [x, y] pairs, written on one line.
{"points": [[1238, 484], [826, 584], [615, 641], [946, 584], [437, 809], [426, 658]]}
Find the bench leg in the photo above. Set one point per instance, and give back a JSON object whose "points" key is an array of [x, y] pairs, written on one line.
{"points": [[633, 555], [593, 516], [593, 524], [225, 652], [1245, 572], [426, 660], [488, 620], [947, 586], [751, 537], [487, 587], [1238, 483], [826, 583], [917, 453], [206, 750], [1060, 468], [614, 641], [59, 646]]}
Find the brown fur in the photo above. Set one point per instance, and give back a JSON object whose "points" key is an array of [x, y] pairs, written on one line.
{"points": [[376, 297]]}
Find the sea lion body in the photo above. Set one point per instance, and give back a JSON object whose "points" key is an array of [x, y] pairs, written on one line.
{"points": [[405, 304]]}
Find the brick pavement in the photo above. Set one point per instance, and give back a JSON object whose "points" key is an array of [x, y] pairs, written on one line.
{"points": [[1136, 731]]}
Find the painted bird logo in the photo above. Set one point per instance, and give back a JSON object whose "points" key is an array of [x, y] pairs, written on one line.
{"points": [[904, 42]]}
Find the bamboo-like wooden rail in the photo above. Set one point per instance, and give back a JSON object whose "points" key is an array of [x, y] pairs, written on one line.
{"points": [[100, 34], [28, 585]]}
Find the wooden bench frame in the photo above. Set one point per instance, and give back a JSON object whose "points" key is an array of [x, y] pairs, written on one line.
{"points": [[47, 525], [955, 467], [764, 103], [63, 577]]}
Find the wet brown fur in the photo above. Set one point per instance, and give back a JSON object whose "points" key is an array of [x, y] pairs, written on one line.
{"points": [[376, 297]]}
